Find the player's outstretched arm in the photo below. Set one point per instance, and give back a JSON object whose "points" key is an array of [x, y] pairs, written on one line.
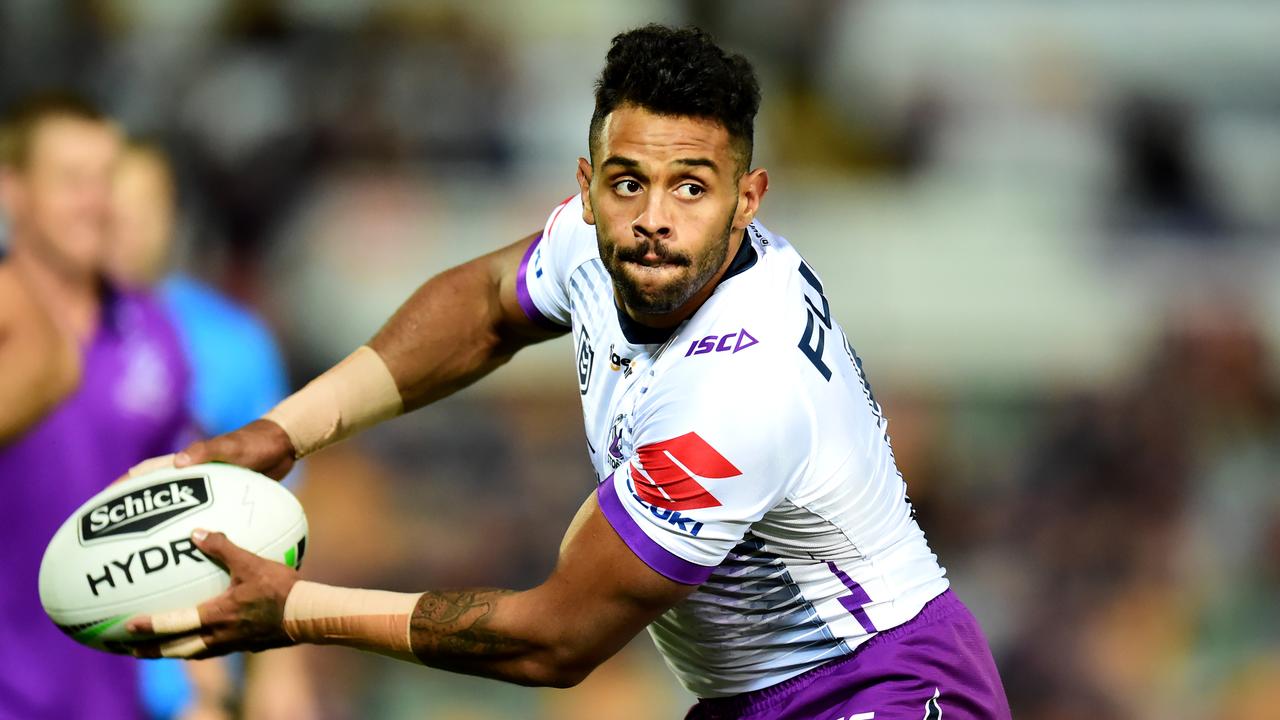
{"points": [[457, 327], [37, 368], [598, 598]]}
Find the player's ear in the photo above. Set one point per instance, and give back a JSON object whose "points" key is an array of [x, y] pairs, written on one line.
{"points": [[751, 189], [584, 182]]}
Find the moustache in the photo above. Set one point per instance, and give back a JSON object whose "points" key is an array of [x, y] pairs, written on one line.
{"points": [[639, 255]]}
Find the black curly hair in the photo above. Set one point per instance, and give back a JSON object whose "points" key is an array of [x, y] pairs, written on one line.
{"points": [[682, 72]]}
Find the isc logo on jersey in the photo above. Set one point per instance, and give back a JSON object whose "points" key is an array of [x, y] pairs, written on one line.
{"points": [[143, 510], [731, 343], [662, 478]]}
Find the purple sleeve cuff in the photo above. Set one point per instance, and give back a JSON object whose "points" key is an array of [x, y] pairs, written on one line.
{"points": [[654, 555], [522, 291]]}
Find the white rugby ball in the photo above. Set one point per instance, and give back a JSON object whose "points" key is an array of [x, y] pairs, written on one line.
{"points": [[128, 550]]}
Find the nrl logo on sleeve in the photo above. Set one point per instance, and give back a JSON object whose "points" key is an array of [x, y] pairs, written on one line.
{"points": [[145, 509]]}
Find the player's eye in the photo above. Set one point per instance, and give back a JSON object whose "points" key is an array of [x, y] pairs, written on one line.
{"points": [[627, 187], [690, 190]]}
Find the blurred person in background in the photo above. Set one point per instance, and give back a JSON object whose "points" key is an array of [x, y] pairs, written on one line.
{"points": [[237, 374], [228, 389], [30, 385], [55, 185], [748, 508], [38, 368]]}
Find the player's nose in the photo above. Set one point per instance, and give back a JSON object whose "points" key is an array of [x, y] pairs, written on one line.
{"points": [[654, 222]]}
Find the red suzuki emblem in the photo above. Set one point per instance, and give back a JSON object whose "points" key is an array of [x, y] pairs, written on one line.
{"points": [[664, 473]]}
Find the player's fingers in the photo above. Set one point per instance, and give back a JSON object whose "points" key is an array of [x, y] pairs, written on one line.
{"points": [[212, 639], [172, 622], [147, 651], [181, 621], [175, 622], [148, 465], [220, 549], [187, 647], [280, 469], [193, 454], [140, 625], [228, 448], [151, 465], [183, 647]]}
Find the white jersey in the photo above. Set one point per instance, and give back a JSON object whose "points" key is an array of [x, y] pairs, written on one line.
{"points": [[742, 452]]}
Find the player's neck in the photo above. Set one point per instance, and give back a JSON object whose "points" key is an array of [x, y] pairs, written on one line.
{"points": [[70, 298]]}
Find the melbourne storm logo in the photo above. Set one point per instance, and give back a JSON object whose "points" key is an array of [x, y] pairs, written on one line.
{"points": [[614, 451], [143, 510], [586, 360]]}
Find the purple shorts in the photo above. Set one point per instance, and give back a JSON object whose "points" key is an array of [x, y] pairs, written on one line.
{"points": [[936, 665]]}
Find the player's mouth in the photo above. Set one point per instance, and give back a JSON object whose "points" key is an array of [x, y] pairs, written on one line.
{"points": [[647, 260], [651, 266]]}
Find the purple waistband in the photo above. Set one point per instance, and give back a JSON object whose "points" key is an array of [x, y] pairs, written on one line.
{"points": [[936, 609]]}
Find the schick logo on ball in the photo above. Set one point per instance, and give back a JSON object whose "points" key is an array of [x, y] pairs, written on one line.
{"points": [[145, 509]]}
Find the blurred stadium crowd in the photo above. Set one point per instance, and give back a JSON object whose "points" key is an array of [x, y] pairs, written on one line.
{"points": [[1051, 229]]}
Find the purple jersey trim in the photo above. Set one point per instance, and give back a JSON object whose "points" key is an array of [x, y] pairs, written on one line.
{"points": [[654, 555], [522, 291]]}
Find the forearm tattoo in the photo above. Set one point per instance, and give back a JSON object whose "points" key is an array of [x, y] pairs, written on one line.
{"points": [[452, 629]]}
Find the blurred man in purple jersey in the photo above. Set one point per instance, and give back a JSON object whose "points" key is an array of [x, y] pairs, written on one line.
{"points": [[39, 369], [55, 187]]}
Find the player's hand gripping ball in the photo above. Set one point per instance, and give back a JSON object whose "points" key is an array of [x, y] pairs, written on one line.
{"points": [[129, 550]]}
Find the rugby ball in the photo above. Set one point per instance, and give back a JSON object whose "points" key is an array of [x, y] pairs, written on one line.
{"points": [[128, 550]]}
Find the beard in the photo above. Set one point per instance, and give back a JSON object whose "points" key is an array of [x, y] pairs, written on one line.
{"points": [[692, 272]]}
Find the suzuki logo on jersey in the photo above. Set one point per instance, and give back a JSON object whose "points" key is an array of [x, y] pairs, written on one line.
{"points": [[663, 473], [673, 517], [586, 360], [731, 343]]}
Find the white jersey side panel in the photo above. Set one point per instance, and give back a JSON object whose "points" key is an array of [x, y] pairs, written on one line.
{"points": [[743, 453]]}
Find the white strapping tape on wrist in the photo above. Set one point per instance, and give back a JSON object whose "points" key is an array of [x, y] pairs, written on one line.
{"points": [[354, 394], [375, 620]]}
